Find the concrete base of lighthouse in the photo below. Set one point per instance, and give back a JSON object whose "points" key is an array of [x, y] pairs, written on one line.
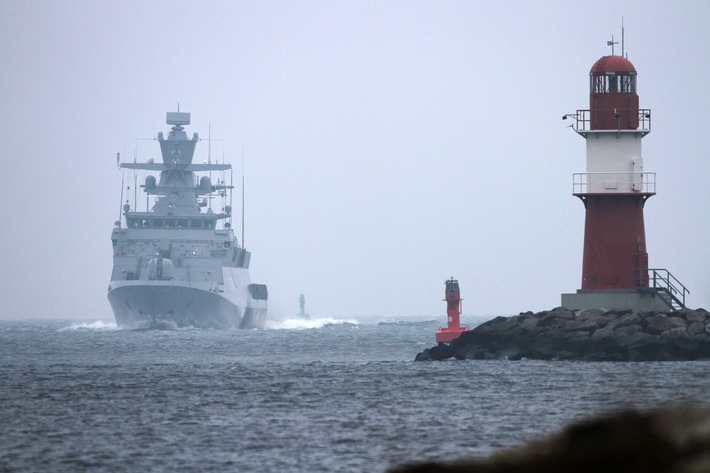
{"points": [[645, 300]]}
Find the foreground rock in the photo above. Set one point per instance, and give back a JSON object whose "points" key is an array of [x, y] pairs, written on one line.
{"points": [[671, 440], [588, 335]]}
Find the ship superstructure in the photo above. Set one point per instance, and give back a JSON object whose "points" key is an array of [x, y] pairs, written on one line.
{"points": [[179, 261]]}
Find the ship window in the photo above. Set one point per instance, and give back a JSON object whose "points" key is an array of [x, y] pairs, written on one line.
{"points": [[209, 224], [157, 222], [170, 223], [196, 223], [182, 223]]}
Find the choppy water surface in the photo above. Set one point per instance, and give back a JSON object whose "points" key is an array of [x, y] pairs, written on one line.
{"points": [[326, 395]]}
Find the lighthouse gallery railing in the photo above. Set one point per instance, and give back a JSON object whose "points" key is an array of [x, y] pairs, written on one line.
{"points": [[582, 119], [641, 182]]}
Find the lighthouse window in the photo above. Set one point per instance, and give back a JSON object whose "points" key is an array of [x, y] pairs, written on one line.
{"points": [[602, 84], [612, 84], [627, 84], [598, 84]]}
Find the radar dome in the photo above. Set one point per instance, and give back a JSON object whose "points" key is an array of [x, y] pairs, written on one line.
{"points": [[150, 182], [205, 184]]}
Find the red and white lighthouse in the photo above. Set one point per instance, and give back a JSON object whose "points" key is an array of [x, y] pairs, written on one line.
{"points": [[614, 190]]}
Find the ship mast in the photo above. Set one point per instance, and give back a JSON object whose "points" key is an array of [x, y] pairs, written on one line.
{"points": [[243, 245]]}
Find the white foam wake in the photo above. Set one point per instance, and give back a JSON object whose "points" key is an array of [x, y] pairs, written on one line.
{"points": [[299, 323], [97, 325]]}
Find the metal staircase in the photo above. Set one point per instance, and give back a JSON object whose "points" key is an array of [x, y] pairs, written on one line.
{"points": [[664, 285]]}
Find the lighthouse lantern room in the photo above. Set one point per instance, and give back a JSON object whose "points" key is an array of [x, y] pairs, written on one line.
{"points": [[614, 190]]}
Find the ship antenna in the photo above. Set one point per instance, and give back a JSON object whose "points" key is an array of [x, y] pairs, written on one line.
{"points": [[243, 245], [231, 191], [209, 156], [135, 178], [123, 176]]}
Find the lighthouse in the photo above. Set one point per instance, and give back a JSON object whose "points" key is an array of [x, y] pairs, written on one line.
{"points": [[614, 190]]}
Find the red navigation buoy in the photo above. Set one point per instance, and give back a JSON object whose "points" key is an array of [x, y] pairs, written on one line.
{"points": [[453, 311]]}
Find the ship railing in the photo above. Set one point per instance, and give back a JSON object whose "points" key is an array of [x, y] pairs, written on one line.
{"points": [[610, 182]]}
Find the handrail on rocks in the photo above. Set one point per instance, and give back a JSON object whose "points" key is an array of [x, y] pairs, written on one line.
{"points": [[663, 279]]}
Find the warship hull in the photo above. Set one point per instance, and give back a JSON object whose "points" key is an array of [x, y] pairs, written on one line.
{"points": [[169, 305]]}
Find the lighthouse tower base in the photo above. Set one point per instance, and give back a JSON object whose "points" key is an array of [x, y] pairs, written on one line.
{"points": [[637, 300]]}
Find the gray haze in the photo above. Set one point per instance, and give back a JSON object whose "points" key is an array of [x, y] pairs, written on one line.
{"points": [[388, 145]]}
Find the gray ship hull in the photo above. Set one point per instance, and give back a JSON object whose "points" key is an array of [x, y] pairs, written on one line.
{"points": [[156, 306]]}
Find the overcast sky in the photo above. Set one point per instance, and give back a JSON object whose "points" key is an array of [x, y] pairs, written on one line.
{"points": [[388, 145]]}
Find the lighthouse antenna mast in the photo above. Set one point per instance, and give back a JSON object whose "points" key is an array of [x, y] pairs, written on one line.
{"points": [[612, 43]]}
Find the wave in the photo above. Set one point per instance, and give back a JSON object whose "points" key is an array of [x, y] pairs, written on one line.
{"points": [[299, 323], [408, 322], [97, 325]]}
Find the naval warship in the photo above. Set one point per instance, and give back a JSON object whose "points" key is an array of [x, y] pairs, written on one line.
{"points": [[178, 263]]}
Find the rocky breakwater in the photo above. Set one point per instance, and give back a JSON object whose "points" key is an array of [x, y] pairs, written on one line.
{"points": [[587, 335]]}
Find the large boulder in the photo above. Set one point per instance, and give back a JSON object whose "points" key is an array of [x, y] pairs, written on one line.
{"points": [[670, 440], [440, 352], [590, 335]]}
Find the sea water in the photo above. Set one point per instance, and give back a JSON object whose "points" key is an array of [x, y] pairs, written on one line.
{"points": [[300, 396]]}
